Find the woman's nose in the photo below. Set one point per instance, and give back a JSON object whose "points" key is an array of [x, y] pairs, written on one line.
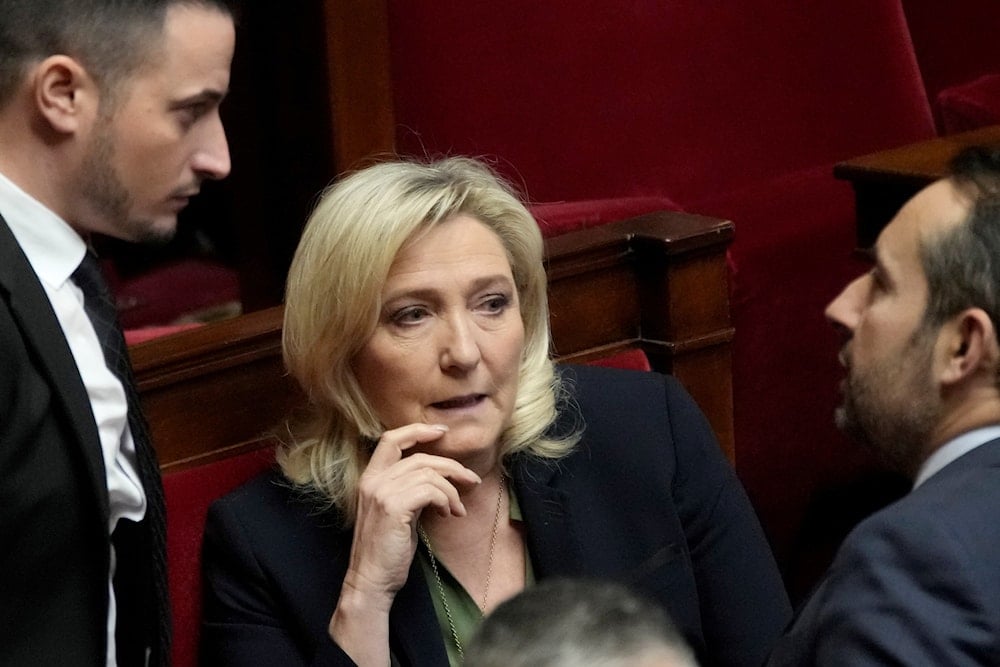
{"points": [[460, 347]]}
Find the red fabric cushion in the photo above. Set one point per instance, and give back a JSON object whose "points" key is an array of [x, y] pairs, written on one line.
{"points": [[633, 359], [136, 336], [971, 105], [188, 494], [556, 218], [168, 292]]}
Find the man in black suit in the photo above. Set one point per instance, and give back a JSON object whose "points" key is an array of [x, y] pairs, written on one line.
{"points": [[916, 583], [108, 124]]}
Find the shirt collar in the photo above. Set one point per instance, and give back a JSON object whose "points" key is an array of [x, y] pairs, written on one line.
{"points": [[953, 449], [53, 248]]}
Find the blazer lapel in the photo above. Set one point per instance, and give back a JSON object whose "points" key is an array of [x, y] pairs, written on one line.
{"points": [[552, 543], [416, 635], [554, 546], [44, 338]]}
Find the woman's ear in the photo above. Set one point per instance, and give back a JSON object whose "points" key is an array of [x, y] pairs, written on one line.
{"points": [[970, 344], [65, 95]]}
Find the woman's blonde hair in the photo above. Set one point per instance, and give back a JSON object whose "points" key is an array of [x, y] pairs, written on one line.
{"points": [[333, 301]]}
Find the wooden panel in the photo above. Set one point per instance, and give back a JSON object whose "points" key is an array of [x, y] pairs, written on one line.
{"points": [[357, 46], [213, 391], [656, 283]]}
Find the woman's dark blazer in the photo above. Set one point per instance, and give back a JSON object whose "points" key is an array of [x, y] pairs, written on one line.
{"points": [[646, 497]]}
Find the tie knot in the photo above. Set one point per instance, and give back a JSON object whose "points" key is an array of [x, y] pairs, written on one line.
{"points": [[90, 280]]}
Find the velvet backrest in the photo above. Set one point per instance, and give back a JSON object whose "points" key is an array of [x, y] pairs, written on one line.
{"points": [[956, 47], [555, 218], [580, 99], [188, 493]]}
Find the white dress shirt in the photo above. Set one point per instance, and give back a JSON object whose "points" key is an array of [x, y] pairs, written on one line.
{"points": [[54, 251], [953, 449]]}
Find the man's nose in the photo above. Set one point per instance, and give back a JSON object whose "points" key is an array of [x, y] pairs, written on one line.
{"points": [[211, 160], [845, 310]]}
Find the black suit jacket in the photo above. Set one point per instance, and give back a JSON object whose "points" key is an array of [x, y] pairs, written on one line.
{"points": [[917, 583], [53, 487], [645, 498]]}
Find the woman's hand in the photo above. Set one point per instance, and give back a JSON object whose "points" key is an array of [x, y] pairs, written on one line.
{"points": [[393, 491]]}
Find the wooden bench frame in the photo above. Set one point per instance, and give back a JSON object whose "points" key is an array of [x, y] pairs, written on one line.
{"points": [[656, 283]]}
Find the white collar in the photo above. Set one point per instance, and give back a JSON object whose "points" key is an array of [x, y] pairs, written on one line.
{"points": [[953, 449], [53, 248]]}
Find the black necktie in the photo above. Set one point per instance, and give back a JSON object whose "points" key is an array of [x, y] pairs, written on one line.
{"points": [[141, 572]]}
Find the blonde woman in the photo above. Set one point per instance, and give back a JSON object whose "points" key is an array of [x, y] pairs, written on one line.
{"points": [[449, 464]]}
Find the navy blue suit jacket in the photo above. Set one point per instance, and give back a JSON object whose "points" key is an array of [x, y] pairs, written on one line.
{"points": [[918, 583], [646, 498]]}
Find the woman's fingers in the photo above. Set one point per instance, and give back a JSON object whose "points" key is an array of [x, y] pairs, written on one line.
{"points": [[434, 483], [388, 462], [392, 444], [394, 490]]}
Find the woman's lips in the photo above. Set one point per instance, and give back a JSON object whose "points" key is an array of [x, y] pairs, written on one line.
{"points": [[459, 402]]}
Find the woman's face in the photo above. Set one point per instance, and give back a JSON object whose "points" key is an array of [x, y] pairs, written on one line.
{"points": [[448, 344]]}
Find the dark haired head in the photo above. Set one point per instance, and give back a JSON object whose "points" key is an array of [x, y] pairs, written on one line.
{"points": [[962, 264], [110, 38]]}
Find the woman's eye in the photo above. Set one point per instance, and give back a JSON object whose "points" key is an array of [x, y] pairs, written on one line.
{"points": [[496, 303], [410, 315]]}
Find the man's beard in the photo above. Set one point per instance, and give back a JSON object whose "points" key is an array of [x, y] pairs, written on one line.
{"points": [[893, 407], [107, 196]]}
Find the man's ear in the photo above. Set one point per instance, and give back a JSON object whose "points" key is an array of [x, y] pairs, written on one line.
{"points": [[970, 343], [65, 95]]}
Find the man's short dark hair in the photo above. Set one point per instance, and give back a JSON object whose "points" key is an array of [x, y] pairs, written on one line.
{"points": [[111, 38], [575, 621], [962, 264]]}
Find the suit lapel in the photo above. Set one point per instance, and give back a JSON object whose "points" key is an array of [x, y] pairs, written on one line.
{"points": [[554, 546], [32, 312], [552, 543], [415, 629]]}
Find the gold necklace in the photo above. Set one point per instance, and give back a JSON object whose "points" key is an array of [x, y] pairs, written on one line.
{"points": [[489, 568]]}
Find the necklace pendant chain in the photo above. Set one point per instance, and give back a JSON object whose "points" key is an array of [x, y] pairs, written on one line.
{"points": [[489, 568]]}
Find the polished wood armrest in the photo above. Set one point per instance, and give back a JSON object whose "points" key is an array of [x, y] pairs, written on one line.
{"points": [[212, 392], [656, 283]]}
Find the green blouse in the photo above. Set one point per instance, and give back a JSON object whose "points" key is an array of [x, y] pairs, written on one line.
{"points": [[465, 613]]}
